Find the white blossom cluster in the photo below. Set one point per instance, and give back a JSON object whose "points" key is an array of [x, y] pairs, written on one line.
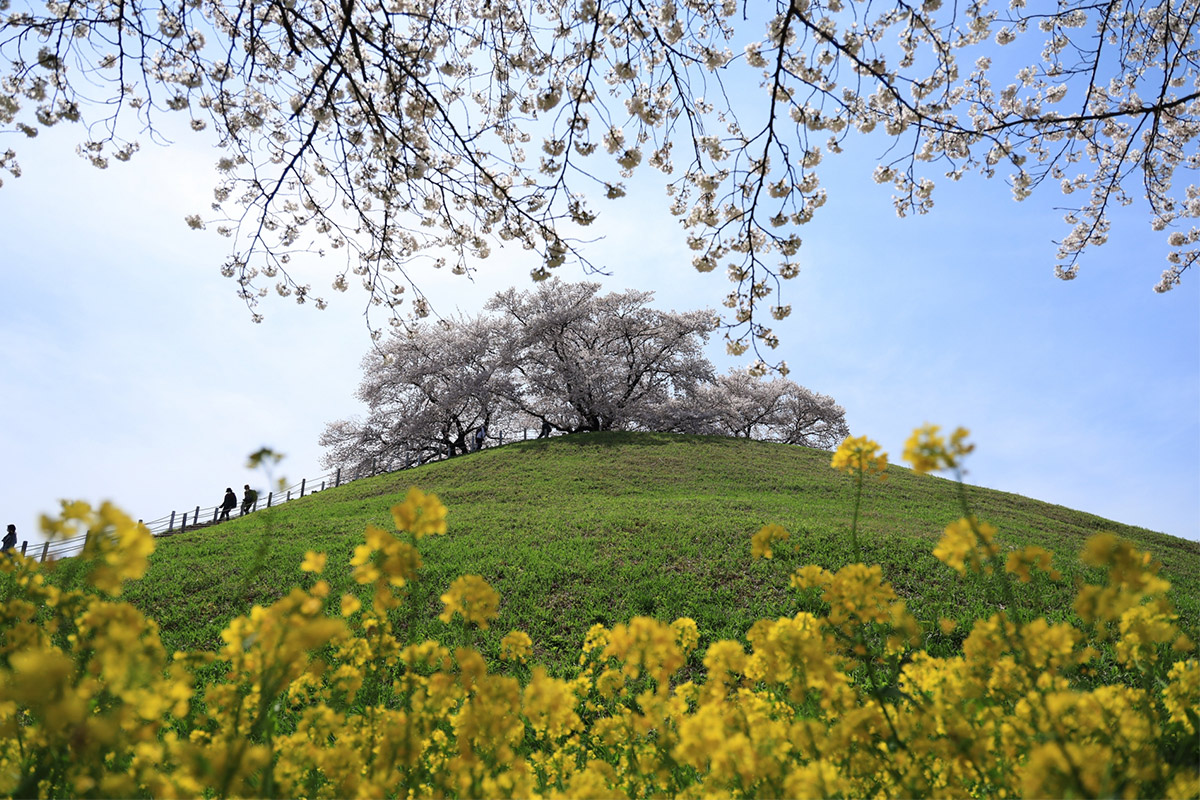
{"points": [[563, 358], [396, 131]]}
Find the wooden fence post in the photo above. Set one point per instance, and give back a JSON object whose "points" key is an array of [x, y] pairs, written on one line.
{"points": [[45, 549], [23, 546], [171, 524], [322, 486], [338, 480], [196, 516], [215, 510], [270, 496], [289, 496], [302, 486]]}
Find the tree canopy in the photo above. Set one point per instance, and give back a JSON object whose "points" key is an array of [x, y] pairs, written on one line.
{"points": [[562, 358], [396, 133]]}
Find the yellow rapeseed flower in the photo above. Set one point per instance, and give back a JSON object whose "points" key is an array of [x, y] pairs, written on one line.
{"points": [[646, 645], [1021, 561], [516, 646], [927, 450], [117, 548], [313, 562], [966, 542], [1132, 579], [471, 596], [1184, 787], [725, 663], [420, 514], [384, 559], [1142, 629], [350, 605], [1181, 696], [549, 705], [858, 455], [687, 635], [810, 576], [760, 543]]}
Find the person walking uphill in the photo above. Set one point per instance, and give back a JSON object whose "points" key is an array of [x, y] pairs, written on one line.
{"points": [[480, 435], [228, 505], [10, 539], [249, 499]]}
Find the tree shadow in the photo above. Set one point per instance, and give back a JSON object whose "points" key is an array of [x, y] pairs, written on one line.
{"points": [[615, 439]]}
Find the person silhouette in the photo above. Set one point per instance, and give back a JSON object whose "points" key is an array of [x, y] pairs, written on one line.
{"points": [[249, 499], [229, 504], [10, 539]]}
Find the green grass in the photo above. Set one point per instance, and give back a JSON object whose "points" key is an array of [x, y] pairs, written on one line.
{"points": [[602, 527]]}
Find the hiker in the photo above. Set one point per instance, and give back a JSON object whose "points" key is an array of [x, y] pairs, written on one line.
{"points": [[10, 539], [480, 435], [228, 505], [545, 429], [249, 500]]}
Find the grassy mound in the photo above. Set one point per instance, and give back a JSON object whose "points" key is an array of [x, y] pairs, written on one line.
{"points": [[592, 528]]}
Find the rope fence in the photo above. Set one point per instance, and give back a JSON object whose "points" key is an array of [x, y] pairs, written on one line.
{"points": [[199, 516]]}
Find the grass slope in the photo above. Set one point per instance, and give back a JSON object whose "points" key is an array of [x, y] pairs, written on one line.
{"points": [[582, 529]]}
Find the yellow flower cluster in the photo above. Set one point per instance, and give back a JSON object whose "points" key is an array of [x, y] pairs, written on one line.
{"points": [[473, 598], [760, 543], [420, 514], [387, 561], [1021, 562], [316, 697], [967, 542], [116, 548], [516, 646], [858, 455], [928, 451]]}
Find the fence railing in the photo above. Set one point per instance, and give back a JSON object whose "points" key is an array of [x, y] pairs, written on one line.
{"points": [[204, 516]]}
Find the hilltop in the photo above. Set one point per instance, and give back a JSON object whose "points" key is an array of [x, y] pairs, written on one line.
{"points": [[601, 527]]}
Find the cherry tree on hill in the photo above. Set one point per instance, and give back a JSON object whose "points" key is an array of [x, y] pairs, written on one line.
{"points": [[427, 390], [587, 362], [396, 133], [749, 406], [563, 358], [775, 410]]}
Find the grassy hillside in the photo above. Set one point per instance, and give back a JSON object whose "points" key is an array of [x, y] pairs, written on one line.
{"points": [[602, 527]]}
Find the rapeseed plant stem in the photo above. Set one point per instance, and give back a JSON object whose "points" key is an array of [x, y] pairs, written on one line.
{"points": [[858, 483], [858, 456], [996, 569]]}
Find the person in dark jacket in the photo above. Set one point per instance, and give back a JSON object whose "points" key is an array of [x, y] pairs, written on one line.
{"points": [[249, 499], [228, 505], [10, 539]]}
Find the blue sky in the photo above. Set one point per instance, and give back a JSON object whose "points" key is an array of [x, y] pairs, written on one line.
{"points": [[130, 371]]}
